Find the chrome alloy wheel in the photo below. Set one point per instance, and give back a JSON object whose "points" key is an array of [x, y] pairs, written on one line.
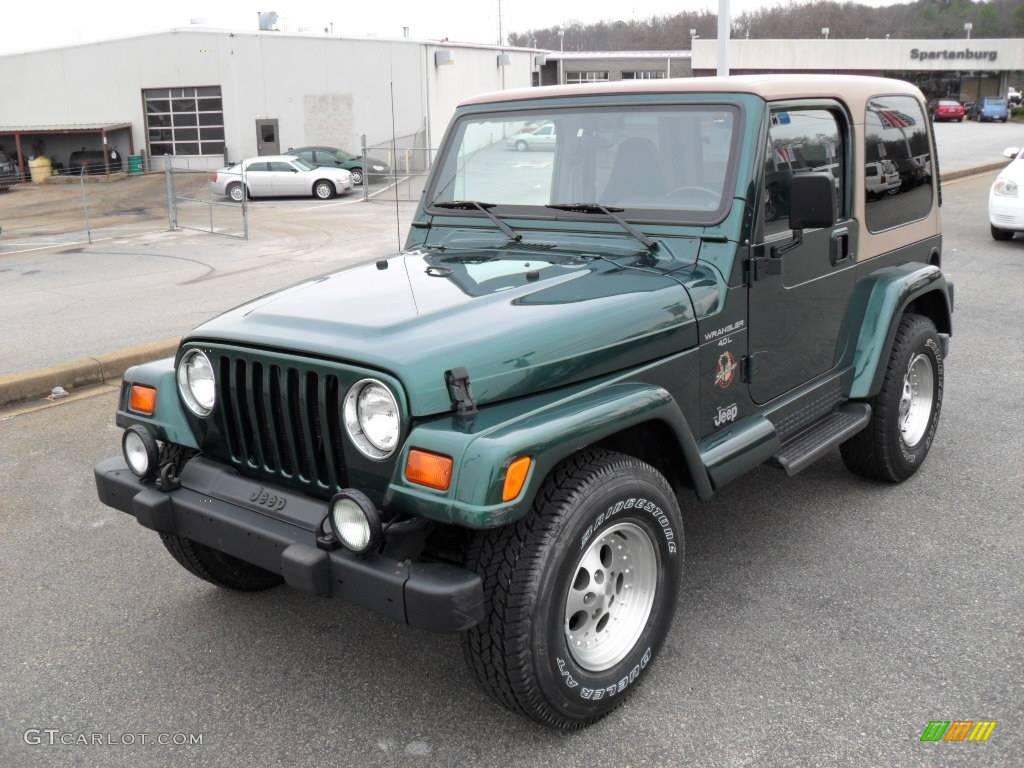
{"points": [[917, 399], [611, 596]]}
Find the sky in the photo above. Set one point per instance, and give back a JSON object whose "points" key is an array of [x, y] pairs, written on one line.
{"points": [[24, 27]]}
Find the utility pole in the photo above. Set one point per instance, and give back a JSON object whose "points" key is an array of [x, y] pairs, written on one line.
{"points": [[723, 38]]}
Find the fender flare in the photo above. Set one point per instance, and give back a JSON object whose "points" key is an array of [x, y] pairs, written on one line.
{"points": [[169, 421], [549, 434], [884, 296]]}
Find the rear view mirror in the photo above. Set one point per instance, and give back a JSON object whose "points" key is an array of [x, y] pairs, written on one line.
{"points": [[1011, 152], [812, 201]]}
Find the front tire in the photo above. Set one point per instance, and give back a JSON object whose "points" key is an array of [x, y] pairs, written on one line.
{"points": [[1001, 234], [217, 567], [905, 413], [357, 176], [580, 593], [323, 190]]}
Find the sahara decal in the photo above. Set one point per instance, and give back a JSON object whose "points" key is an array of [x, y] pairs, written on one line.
{"points": [[725, 373], [726, 414]]}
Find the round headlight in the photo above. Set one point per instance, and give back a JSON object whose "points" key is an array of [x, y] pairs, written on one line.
{"points": [[196, 382], [141, 452], [372, 419]]}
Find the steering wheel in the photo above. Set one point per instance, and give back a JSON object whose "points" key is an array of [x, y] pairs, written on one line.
{"points": [[714, 197]]}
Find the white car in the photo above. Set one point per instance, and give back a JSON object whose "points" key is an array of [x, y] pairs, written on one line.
{"points": [[279, 176], [880, 179], [1006, 198], [541, 137]]}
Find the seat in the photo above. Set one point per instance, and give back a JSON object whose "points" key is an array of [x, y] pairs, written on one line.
{"points": [[636, 174]]}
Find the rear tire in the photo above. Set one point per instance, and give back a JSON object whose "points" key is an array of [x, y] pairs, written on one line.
{"points": [[235, 192], [217, 567], [580, 593], [522, 146], [1001, 234], [323, 190], [905, 412]]}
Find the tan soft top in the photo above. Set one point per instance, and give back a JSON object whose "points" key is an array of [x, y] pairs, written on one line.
{"points": [[853, 89]]}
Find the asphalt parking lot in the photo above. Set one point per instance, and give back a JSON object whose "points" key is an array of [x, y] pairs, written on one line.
{"points": [[824, 620]]}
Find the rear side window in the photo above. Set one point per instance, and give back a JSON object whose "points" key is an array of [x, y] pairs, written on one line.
{"points": [[896, 138]]}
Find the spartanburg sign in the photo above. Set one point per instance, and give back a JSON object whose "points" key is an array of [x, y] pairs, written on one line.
{"points": [[967, 53]]}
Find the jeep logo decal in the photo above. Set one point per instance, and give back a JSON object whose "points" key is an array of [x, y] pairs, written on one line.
{"points": [[265, 498]]}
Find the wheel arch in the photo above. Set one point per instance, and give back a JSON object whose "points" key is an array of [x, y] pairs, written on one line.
{"points": [[885, 297]]}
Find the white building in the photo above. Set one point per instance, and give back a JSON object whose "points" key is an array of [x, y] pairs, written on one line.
{"points": [[198, 94]]}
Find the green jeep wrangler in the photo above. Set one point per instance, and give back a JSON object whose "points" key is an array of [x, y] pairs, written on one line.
{"points": [[494, 432]]}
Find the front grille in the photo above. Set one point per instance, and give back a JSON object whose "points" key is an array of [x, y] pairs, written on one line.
{"points": [[282, 420]]}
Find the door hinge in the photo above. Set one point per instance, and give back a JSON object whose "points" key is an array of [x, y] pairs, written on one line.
{"points": [[748, 368], [760, 267]]}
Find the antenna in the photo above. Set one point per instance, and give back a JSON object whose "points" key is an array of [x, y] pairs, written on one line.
{"points": [[394, 163]]}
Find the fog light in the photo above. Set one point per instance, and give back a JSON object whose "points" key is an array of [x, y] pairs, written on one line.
{"points": [[140, 450], [355, 522]]}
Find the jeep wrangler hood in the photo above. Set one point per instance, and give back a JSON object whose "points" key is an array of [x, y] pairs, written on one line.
{"points": [[518, 325]]}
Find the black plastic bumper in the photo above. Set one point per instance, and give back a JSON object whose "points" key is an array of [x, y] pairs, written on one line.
{"points": [[215, 506]]}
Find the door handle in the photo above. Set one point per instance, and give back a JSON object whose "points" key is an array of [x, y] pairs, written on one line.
{"points": [[840, 247]]}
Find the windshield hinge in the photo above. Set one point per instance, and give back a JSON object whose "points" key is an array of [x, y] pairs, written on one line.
{"points": [[457, 381]]}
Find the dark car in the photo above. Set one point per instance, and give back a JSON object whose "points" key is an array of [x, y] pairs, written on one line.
{"points": [[332, 157], [8, 170], [91, 160], [947, 109]]}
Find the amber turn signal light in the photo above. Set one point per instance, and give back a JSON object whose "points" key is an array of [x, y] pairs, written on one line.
{"points": [[515, 477], [142, 399], [429, 469]]}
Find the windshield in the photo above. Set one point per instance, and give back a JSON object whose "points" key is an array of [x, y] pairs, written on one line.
{"points": [[657, 163], [301, 164]]}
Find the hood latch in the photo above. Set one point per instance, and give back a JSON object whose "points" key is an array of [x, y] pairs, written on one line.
{"points": [[457, 381]]}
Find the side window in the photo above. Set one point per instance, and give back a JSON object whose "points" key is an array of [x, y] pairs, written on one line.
{"points": [[283, 167], [800, 141], [306, 155], [321, 157], [257, 167], [896, 144]]}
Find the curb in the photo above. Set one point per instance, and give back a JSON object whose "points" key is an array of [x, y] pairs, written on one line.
{"points": [[29, 385], [972, 171]]}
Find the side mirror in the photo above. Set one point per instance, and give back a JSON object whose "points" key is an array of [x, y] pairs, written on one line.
{"points": [[1011, 152], [812, 201]]}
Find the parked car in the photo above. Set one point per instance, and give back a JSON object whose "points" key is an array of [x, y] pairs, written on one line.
{"points": [[947, 109], [91, 160], [1006, 197], [279, 176], [496, 432], [538, 138], [878, 182], [1013, 96], [8, 170], [990, 108], [332, 157]]}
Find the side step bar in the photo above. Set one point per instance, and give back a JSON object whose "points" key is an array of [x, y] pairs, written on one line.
{"points": [[814, 442]]}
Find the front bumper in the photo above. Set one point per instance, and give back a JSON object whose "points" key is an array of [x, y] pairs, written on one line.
{"points": [[1006, 212], [214, 506]]}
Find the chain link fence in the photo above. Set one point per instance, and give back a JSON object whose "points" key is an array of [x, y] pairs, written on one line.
{"points": [[406, 162], [68, 210]]}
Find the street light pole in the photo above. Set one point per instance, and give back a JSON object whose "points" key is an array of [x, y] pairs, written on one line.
{"points": [[968, 26], [723, 38]]}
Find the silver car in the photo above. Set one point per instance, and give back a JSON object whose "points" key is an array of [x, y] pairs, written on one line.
{"points": [[279, 176]]}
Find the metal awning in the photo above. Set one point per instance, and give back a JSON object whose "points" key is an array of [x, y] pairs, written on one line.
{"points": [[17, 131]]}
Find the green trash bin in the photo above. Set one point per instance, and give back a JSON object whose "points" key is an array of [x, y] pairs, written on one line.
{"points": [[134, 164]]}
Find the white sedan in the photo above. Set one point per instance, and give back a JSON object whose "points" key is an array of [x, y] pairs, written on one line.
{"points": [[279, 176], [1006, 198]]}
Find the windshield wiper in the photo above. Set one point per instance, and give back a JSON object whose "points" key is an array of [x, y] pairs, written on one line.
{"points": [[475, 205], [649, 244]]}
